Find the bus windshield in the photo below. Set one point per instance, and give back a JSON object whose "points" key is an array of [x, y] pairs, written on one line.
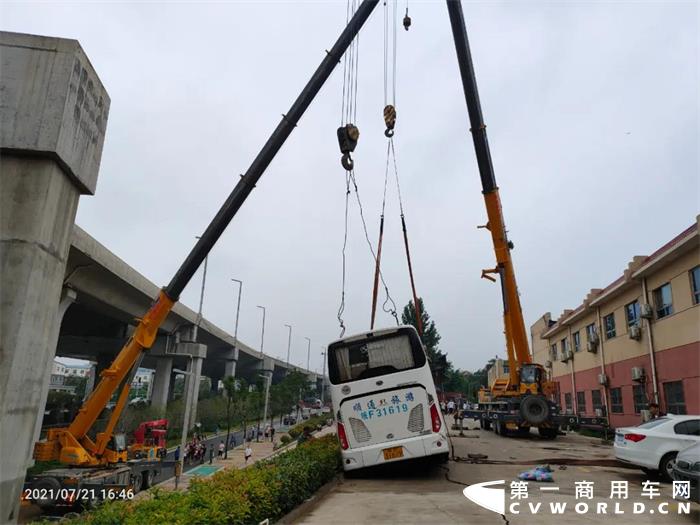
{"points": [[362, 359]]}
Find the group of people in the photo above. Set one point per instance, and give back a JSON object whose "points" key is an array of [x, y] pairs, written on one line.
{"points": [[454, 406], [196, 450]]}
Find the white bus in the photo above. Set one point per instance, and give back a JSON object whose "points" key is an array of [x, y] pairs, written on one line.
{"points": [[384, 399]]}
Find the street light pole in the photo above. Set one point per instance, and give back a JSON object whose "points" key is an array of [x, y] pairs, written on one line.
{"points": [[238, 311], [189, 381], [201, 298], [323, 379], [269, 379], [289, 343], [308, 354]]}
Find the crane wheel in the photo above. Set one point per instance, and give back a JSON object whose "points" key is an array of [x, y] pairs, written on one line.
{"points": [[534, 410], [136, 482], [49, 487]]}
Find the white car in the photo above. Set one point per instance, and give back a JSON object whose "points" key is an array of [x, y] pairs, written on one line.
{"points": [[653, 445]]}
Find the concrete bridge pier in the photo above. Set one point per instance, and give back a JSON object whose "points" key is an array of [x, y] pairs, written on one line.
{"points": [[68, 297], [161, 382], [53, 110]]}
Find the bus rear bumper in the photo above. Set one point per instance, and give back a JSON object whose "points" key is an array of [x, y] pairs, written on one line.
{"points": [[416, 447]]}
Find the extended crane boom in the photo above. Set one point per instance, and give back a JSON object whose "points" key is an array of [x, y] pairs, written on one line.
{"points": [[516, 335], [72, 445], [524, 400]]}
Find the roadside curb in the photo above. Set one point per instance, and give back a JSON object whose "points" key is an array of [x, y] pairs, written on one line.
{"points": [[310, 504]]}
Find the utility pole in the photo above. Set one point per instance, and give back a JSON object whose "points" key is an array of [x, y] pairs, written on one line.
{"points": [[189, 384], [308, 354], [323, 379], [238, 311], [201, 298], [269, 379], [289, 343]]}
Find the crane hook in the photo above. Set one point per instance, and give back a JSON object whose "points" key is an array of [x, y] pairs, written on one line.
{"points": [[347, 162], [406, 21], [389, 120], [348, 136]]}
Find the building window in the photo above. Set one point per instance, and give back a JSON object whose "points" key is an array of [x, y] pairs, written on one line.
{"points": [[564, 346], [577, 341], [616, 406], [553, 352], [591, 332], [663, 302], [695, 284], [640, 398], [567, 403], [632, 313], [597, 401], [609, 324], [581, 402], [675, 400]]}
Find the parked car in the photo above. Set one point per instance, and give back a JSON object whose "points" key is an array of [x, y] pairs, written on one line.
{"points": [[654, 445], [289, 420], [687, 468]]}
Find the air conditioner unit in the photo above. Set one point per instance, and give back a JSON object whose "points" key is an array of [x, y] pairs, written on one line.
{"points": [[602, 379], [598, 412], [635, 332], [646, 311], [593, 338], [592, 347], [637, 373], [646, 415], [548, 364]]}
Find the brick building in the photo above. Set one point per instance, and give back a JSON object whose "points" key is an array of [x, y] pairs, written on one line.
{"points": [[633, 342]]}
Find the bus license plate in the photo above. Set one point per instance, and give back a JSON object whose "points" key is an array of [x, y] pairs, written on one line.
{"points": [[393, 453]]}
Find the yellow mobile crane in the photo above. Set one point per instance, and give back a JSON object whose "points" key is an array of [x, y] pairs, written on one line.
{"points": [[95, 468], [524, 399]]}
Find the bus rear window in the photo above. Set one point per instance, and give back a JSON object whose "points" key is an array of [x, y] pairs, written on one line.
{"points": [[371, 358]]}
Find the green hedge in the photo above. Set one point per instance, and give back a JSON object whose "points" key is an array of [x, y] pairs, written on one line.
{"points": [[268, 489], [312, 423]]}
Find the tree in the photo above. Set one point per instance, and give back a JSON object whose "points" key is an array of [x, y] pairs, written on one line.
{"points": [[439, 365], [79, 383], [430, 336]]}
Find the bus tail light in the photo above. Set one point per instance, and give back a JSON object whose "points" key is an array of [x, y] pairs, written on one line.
{"points": [[435, 418], [342, 437]]}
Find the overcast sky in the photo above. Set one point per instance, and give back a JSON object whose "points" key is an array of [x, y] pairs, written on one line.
{"points": [[592, 114]]}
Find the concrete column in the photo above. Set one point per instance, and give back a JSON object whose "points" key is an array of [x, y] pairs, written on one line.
{"points": [[53, 110], [161, 382], [196, 367], [197, 352], [68, 296], [229, 368]]}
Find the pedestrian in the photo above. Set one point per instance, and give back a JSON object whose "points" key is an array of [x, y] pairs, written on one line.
{"points": [[654, 412], [211, 453], [248, 452], [177, 453], [221, 448], [450, 406], [443, 406], [272, 434], [232, 442], [202, 450]]}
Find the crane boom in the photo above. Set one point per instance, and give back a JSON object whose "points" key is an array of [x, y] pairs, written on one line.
{"points": [[72, 445], [516, 335]]}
